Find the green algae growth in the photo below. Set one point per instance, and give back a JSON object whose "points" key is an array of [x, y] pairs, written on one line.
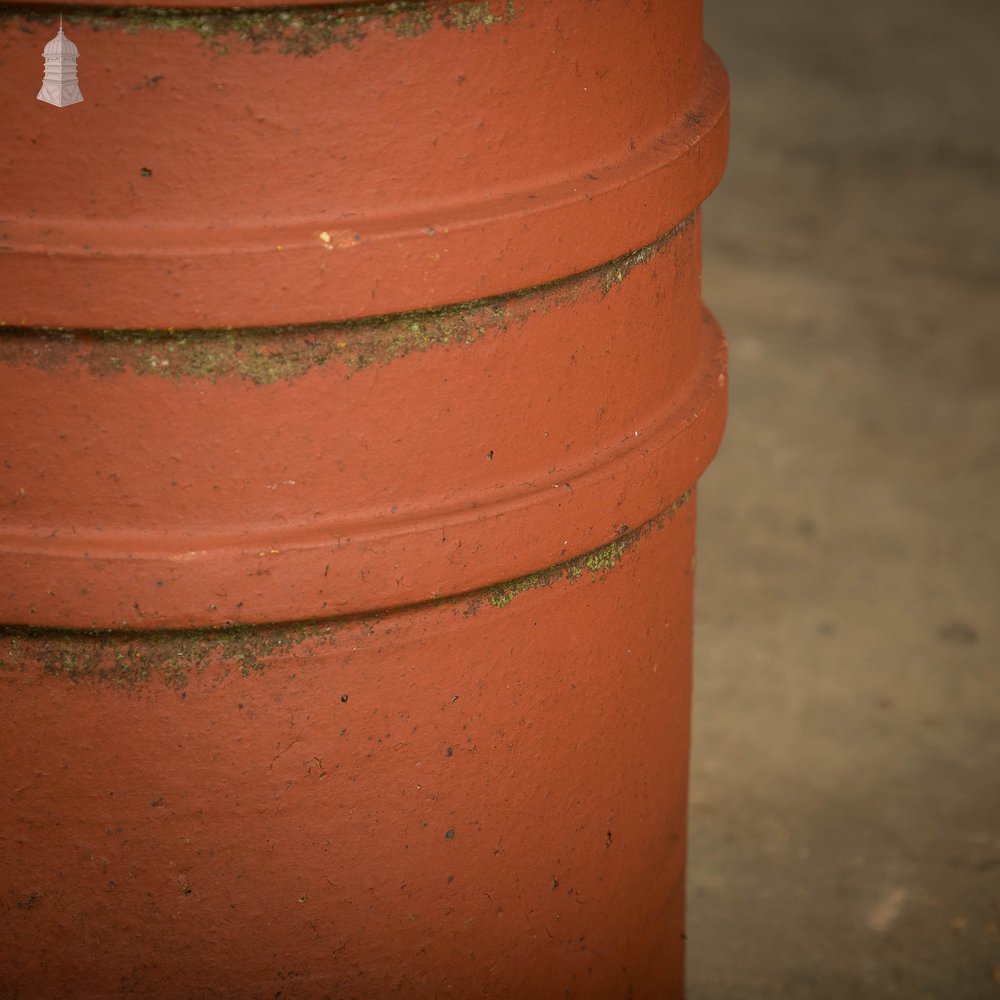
{"points": [[265, 355], [294, 30], [597, 563], [132, 660]]}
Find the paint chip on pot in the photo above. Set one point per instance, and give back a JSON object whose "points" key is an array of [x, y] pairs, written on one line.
{"points": [[338, 239]]}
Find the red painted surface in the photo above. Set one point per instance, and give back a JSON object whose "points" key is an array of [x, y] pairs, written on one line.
{"points": [[261, 834], [353, 658]]}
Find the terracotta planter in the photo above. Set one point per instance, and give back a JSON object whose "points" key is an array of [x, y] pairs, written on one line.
{"points": [[355, 386]]}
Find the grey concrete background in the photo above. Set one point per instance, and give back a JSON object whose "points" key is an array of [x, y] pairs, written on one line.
{"points": [[845, 800]]}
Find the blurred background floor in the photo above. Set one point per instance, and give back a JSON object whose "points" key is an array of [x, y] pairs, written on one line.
{"points": [[845, 800]]}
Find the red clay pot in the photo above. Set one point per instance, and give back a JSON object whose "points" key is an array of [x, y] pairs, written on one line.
{"points": [[354, 384]]}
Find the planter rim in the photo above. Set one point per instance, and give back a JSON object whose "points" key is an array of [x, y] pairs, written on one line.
{"points": [[309, 270], [335, 568]]}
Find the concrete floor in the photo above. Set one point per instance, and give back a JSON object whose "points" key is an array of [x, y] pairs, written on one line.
{"points": [[845, 802]]}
